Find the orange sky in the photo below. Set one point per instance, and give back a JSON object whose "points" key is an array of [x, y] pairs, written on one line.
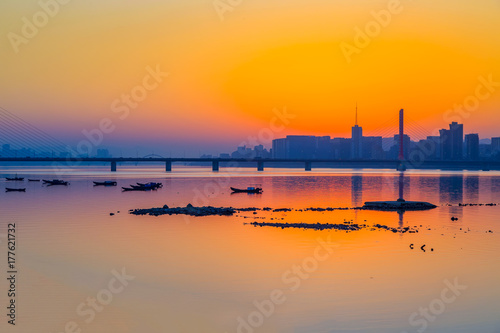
{"points": [[226, 76]]}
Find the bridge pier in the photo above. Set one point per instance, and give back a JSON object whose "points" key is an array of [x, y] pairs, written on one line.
{"points": [[168, 166], [215, 166], [113, 166], [308, 166], [260, 166]]}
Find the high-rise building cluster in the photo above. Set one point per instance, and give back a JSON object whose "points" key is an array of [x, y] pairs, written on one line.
{"points": [[451, 144]]}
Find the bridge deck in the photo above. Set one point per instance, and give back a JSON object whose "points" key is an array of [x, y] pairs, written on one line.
{"points": [[260, 163]]}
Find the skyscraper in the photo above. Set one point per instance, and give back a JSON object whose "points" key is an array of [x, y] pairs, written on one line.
{"points": [[457, 140], [357, 140], [495, 145], [452, 142], [445, 144], [472, 146], [280, 148]]}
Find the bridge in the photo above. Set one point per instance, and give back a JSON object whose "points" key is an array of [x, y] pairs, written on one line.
{"points": [[19, 132], [260, 163]]}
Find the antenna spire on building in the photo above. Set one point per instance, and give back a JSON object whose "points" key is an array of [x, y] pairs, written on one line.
{"points": [[356, 114]]}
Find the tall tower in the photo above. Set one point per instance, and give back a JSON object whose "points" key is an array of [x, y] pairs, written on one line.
{"points": [[401, 134], [357, 139], [457, 140], [356, 121]]}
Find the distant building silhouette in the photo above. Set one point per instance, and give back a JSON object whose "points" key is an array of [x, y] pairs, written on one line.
{"points": [[372, 148], [457, 141], [341, 148], [103, 153], [280, 148], [495, 145], [430, 147], [452, 141], [257, 152], [406, 146], [324, 148], [445, 144], [357, 142], [472, 146], [356, 139], [301, 147]]}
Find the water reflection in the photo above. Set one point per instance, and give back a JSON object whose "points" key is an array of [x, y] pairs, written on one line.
{"points": [[451, 189], [357, 190], [472, 189], [401, 184], [218, 266], [495, 187]]}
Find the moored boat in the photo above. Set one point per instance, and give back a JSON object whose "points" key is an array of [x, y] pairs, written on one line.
{"points": [[247, 190], [143, 187], [55, 182], [152, 185], [19, 179], [7, 189], [106, 183], [136, 188]]}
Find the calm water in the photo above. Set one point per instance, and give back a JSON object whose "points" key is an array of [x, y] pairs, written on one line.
{"points": [[219, 274]]}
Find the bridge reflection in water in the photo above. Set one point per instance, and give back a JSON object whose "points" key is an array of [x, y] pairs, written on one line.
{"points": [[308, 165]]}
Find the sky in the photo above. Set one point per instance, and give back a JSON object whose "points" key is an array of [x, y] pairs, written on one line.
{"points": [[226, 69]]}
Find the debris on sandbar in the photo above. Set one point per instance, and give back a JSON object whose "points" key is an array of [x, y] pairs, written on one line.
{"points": [[315, 226], [188, 210], [346, 226]]}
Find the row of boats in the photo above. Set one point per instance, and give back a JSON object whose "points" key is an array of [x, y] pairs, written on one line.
{"points": [[136, 187], [151, 186], [20, 179], [54, 182], [17, 179], [48, 182]]}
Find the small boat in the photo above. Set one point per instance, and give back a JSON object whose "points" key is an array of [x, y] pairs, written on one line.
{"points": [[153, 185], [106, 183], [15, 179], [137, 188], [15, 189], [33, 180], [247, 190], [55, 182]]}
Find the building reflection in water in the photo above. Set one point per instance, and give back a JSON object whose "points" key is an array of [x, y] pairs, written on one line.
{"points": [[495, 189], [356, 193], [357, 190], [471, 189], [451, 191]]}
